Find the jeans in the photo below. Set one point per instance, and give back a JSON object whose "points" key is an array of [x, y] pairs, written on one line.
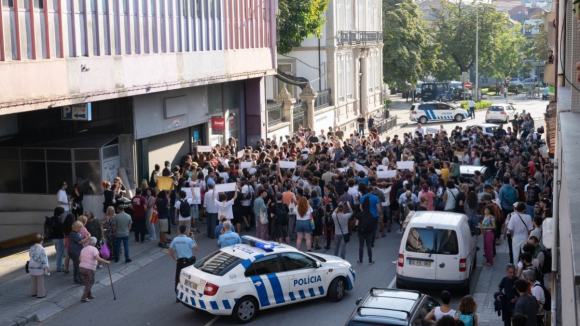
{"points": [[339, 246], [362, 239], [530, 210], [211, 224], [152, 231], [59, 247], [291, 225], [76, 261], [139, 229], [125, 241], [374, 231], [361, 130]]}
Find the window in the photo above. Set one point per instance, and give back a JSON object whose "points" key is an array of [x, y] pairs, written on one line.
{"points": [[340, 15], [218, 263], [444, 107], [428, 107], [265, 265], [432, 241], [370, 71], [348, 14], [340, 81], [361, 15], [8, 3], [349, 77], [295, 261]]}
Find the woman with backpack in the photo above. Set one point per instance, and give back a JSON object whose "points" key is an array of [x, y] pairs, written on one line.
{"points": [[466, 311]]}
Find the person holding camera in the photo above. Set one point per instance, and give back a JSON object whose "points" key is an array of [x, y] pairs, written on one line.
{"points": [[341, 216], [181, 250]]}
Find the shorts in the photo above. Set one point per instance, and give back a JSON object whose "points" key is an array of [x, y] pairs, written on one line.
{"points": [[282, 231], [246, 211], [163, 225], [187, 223], [303, 226], [387, 216]]}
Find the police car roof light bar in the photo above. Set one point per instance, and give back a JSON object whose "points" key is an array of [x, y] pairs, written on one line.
{"points": [[258, 243]]}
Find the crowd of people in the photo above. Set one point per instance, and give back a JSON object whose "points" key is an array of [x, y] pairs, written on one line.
{"points": [[308, 188]]}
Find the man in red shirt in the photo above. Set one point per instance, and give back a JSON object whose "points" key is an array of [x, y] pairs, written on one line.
{"points": [[139, 210], [427, 193], [532, 166]]}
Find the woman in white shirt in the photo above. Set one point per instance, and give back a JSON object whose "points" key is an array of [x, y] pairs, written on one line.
{"points": [[38, 266], [224, 205]]}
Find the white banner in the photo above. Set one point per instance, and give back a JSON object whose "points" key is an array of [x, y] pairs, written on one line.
{"points": [[287, 164], [433, 130], [405, 165], [382, 168], [246, 165], [386, 174], [240, 154], [225, 187], [359, 167], [203, 149]]}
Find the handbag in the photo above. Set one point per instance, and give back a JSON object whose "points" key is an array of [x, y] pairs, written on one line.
{"points": [[292, 209], [104, 251], [346, 237], [154, 215], [263, 217]]}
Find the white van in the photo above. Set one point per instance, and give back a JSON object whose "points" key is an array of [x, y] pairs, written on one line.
{"points": [[437, 251]]}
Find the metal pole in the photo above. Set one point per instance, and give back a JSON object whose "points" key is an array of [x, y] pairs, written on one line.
{"points": [[477, 56]]}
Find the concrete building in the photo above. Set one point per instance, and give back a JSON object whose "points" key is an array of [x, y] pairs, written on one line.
{"points": [[93, 89], [343, 67]]}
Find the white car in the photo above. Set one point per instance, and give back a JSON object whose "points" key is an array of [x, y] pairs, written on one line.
{"points": [[500, 113], [486, 128], [242, 279], [436, 111]]}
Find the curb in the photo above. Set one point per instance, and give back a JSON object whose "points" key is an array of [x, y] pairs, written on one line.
{"points": [[46, 309]]}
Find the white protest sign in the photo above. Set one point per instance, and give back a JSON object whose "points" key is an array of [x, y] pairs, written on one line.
{"points": [[246, 165], [386, 174], [240, 154], [405, 165], [287, 164], [432, 130], [382, 168], [359, 167], [225, 187], [203, 149]]}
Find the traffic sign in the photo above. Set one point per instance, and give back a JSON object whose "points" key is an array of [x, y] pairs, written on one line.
{"points": [[467, 84], [77, 112]]}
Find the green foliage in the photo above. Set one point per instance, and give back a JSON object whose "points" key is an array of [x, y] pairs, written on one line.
{"points": [[454, 28], [297, 20], [481, 105], [507, 59], [405, 42], [388, 103], [511, 88]]}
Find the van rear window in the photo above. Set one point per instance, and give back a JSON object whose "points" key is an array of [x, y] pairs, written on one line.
{"points": [[433, 241]]}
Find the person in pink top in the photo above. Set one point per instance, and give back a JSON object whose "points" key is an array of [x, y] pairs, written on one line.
{"points": [[89, 258], [427, 193], [84, 232]]}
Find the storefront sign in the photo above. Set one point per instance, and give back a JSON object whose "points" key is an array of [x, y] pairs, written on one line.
{"points": [[218, 124]]}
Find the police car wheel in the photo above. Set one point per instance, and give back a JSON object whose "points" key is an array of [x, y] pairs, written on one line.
{"points": [[423, 120], [459, 118], [336, 289], [245, 310]]}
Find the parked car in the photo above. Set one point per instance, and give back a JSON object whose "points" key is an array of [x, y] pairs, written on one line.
{"points": [[460, 94], [500, 113], [486, 128], [436, 92], [515, 81], [545, 94], [425, 112], [437, 251], [383, 306]]}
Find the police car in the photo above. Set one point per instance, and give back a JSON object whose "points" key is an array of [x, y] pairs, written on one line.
{"points": [[242, 279], [436, 111]]}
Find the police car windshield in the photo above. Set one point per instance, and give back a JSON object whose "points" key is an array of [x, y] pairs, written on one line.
{"points": [[218, 263]]}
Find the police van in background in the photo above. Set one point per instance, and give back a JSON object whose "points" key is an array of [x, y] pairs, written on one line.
{"points": [[242, 279], [436, 111]]}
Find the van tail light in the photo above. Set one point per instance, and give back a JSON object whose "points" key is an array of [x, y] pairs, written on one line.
{"points": [[401, 260], [462, 265], [210, 289], [487, 112], [503, 112]]}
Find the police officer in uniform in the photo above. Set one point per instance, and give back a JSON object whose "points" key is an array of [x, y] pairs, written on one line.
{"points": [[182, 246]]}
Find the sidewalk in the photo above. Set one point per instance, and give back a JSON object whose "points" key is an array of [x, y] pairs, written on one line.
{"points": [[18, 308]]}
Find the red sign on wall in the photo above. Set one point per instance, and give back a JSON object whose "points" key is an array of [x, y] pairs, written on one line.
{"points": [[218, 123]]}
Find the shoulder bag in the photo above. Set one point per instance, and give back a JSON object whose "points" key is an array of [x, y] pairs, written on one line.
{"points": [[346, 237]]}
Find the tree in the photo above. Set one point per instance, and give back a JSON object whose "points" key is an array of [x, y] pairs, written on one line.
{"points": [[404, 42], [455, 27], [297, 20], [506, 60]]}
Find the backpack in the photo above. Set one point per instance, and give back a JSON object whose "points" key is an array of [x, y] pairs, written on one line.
{"points": [[152, 182], [547, 266], [548, 302], [466, 319], [184, 208], [367, 221], [281, 214], [457, 208], [49, 228], [539, 275], [510, 195]]}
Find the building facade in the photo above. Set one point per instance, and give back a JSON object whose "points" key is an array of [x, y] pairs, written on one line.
{"points": [[95, 89], [343, 66]]}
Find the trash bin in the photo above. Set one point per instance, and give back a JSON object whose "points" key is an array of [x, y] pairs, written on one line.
{"points": [[387, 112]]}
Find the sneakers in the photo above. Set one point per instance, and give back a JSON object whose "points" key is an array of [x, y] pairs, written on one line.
{"points": [[317, 247], [359, 262], [399, 232], [371, 262], [128, 261], [91, 297]]}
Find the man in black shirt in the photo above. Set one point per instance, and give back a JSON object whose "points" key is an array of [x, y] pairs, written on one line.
{"points": [[509, 294], [488, 160], [361, 124], [527, 304], [167, 170], [532, 195]]}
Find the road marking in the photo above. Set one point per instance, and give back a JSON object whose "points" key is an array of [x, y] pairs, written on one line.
{"points": [[212, 321], [392, 282]]}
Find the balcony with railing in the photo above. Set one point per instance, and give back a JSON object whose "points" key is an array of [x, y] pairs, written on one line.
{"points": [[322, 100], [359, 37]]}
